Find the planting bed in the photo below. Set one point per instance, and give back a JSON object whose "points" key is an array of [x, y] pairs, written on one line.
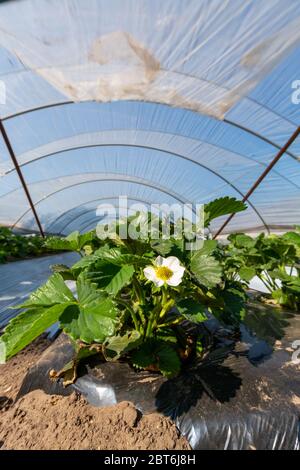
{"points": [[40, 421]]}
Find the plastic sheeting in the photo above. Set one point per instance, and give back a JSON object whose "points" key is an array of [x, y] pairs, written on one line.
{"points": [[193, 100], [244, 395], [135, 50]]}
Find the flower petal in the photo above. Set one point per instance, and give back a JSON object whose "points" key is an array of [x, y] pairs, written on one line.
{"points": [[171, 262], [158, 282], [149, 273], [176, 279], [180, 271], [159, 261]]}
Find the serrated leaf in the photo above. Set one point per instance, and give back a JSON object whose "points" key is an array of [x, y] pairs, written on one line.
{"points": [[107, 255], [73, 237], [27, 326], [234, 310], [60, 244], [206, 269], [208, 247], [122, 344], [93, 317], [120, 279], [240, 240], [53, 292], [222, 206], [292, 237], [84, 239], [63, 270], [192, 310], [110, 277], [246, 273], [167, 335], [157, 354], [73, 242], [162, 247]]}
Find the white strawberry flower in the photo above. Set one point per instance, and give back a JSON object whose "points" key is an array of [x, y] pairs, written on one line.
{"points": [[165, 271]]}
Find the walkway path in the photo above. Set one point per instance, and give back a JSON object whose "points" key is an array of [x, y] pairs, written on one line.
{"points": [[19, 278]]}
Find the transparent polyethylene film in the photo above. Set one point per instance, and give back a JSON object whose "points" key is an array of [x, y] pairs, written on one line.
{"points": [[202, 55], [85, 153], [175, 101]]}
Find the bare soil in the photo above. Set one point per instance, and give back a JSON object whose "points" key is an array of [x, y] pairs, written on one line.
{"points": [[40, 421]]}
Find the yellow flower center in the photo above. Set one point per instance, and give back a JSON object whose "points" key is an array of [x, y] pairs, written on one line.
{"points": [[163, 273]]}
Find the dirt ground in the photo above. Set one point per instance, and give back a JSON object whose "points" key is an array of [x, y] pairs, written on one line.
{"points": [[40, 421]]}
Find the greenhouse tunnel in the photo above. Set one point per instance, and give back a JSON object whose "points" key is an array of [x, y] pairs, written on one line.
{"points": [[199, 112], [111, 107]]}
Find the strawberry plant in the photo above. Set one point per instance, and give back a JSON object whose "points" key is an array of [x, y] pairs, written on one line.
{"points": [[14, 246], [273, 259], [133, 298]]}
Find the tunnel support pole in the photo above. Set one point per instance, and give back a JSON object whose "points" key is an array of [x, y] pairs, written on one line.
{"points": [[262, 176], [21, 177]]}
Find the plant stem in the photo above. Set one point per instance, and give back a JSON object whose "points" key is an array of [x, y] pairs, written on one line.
{"points": [[151, 321], [138, 290], [132, 313], [265, 283], [167, 306], [173, 322]]}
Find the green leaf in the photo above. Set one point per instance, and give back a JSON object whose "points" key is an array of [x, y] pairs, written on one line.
{"points": [[280, 297], [162, 247], [206, 269], [122, 344], [199, 347], [27, 326], [73, 242], [192, 310], [291, 282], [121, 279], [107, 255], [60, 244], [158, 354], [110, 277], [294, 237], [240, 240], [247, 273], [116, 256], [73, 238], [234, 301], [63, 270], [167, 335], [222, 206], [85, 239], [208, 247], [53, 292], [93, 317]]}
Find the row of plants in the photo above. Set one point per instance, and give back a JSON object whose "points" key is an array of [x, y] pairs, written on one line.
{"points": [[142, 300], [274, 259], [14, 246]]}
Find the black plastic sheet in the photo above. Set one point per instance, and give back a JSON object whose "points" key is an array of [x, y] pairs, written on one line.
{"points": [[244, 395]]}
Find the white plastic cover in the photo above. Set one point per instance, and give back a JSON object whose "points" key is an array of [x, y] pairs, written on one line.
{"points": [[180, 100]]}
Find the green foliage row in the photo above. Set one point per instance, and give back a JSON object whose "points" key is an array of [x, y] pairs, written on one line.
{"points": [[132, 298], [274, 259], [13, 246]]}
